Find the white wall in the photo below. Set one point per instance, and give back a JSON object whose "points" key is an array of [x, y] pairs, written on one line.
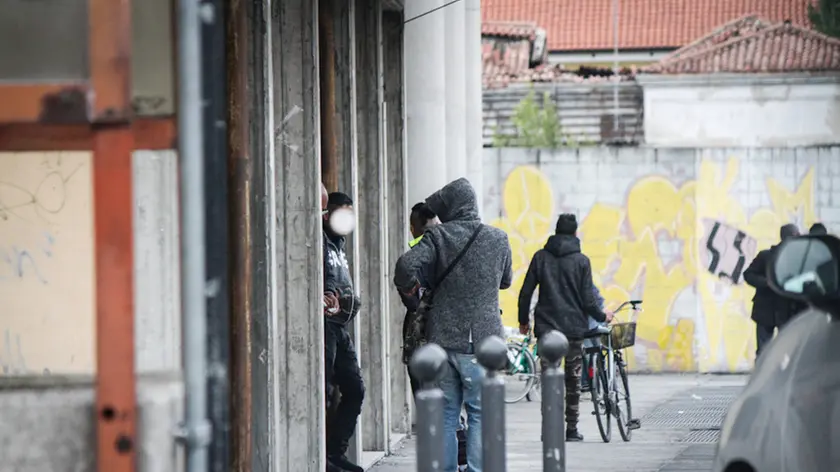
{"points": [[741, 110]]}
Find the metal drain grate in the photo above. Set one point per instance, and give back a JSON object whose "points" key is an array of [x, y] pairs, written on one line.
{"points": [[702, 436], [702, 408]]}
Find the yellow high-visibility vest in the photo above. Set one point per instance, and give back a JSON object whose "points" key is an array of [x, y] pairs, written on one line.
{"points": [[414, 241]]}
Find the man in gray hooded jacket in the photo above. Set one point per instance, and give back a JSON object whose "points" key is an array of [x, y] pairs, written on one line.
{"points": [[465, 306]]}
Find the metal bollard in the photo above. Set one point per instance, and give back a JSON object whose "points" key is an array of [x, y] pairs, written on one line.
{"points": [[553, 347], [492, 354], [427, 365]]}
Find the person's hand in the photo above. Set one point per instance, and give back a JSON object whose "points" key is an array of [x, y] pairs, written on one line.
{"points": [[330, 303], [524, 329], [610, 316]]}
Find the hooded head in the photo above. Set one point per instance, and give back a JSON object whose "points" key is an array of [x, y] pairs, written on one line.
{"points": [[818, 229], [455, 201], [564, 241], [788, 231]]}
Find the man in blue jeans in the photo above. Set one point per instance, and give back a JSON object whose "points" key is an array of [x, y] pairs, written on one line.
{"points": [[465, 263]]}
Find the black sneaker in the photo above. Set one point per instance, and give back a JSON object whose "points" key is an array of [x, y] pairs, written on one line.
{"points": [[333, 468], [572, 435], [344, 463]]}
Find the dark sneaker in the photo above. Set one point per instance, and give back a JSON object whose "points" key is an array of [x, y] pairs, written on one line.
{"points": [[573, 435], [333, 468], [344, 464]]}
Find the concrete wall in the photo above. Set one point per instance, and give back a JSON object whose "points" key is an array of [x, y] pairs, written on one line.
{"points": [[47, 359], [746, 110], [665, 226]]}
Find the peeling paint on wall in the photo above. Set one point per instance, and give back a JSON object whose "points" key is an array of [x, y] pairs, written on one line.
{"points": [[677, 233]]}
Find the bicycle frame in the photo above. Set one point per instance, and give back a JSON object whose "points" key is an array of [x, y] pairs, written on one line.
{"points": [[525, 345]]}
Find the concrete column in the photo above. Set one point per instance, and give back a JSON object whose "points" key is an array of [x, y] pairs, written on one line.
{"points": [[456, 150], [425, 98], [473, 97], [373, 223], [401, 401], [344, 16], [297, 259]]}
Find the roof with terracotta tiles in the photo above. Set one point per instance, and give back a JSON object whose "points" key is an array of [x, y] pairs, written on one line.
{"points": [[584, 25], [778, 48], [509, 29]]}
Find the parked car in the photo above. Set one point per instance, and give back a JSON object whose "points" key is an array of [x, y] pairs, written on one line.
{"points": [[788, 417]]}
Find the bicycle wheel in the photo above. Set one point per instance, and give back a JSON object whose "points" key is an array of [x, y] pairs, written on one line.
{"points": [[600, 393], [623, 410], [520, 374]]}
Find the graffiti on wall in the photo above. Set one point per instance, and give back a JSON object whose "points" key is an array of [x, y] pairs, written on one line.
{"points": [[683, 249]]}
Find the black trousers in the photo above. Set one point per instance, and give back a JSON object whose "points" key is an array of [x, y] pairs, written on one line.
{"points": [[415, 383], [763, 335], [341, 367]]}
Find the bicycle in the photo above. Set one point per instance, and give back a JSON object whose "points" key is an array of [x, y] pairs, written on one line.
{"points": [[522, 363], [604, 362]]}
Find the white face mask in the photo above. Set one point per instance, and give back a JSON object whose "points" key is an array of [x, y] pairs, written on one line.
{"points": [[342, 221]]}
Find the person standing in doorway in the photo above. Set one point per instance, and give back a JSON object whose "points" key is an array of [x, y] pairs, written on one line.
{"points": [[565, 303], [769, 310], [465, 263], [341, 365]]}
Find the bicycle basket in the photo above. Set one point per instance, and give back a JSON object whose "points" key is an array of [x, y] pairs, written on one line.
{"points": [[623, 335]]}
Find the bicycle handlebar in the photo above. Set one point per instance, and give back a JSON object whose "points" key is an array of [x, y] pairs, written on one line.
{"points": [[633, 305]]}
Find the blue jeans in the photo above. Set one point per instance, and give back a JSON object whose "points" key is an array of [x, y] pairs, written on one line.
{"points": [[461, 385]]}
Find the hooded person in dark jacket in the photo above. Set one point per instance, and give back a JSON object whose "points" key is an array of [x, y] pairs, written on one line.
{"points": [[566, 301], [770, 310], [341, 365], [465, 306]]}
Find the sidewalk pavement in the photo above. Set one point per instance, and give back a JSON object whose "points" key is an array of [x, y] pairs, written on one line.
{"points": [[680, 420]]}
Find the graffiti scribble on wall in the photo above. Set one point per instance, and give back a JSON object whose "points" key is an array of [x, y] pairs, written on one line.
{"points": [[682, 248]]}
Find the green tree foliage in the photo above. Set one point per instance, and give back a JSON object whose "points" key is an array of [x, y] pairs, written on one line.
{"points": [[825, 17], [537, 125]]}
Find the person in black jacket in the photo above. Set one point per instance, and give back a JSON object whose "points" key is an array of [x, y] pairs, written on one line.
{"points": [[566, 301], [341, 365], [769, 311]]}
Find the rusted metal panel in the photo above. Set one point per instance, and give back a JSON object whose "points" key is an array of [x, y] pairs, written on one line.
{"points": [[326, 44], [149, 134], [239, 168], [582, 110], [116, 401], [109, 50], [51, 103]]}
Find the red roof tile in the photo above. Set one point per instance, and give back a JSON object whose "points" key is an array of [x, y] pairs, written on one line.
{"points": [[643, 24], [508, 29], [780, 48]]}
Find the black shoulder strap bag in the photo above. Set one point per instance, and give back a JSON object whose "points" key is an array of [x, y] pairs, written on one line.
{"points": [[414, 329]]}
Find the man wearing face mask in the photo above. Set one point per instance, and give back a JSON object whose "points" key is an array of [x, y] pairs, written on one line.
{"points": [[341, 304]]}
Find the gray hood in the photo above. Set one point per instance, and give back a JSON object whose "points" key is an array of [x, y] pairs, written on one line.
{"points": [[455, 201]]}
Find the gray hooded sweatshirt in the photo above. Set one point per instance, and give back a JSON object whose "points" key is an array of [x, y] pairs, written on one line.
{"points": [[466, 304]]}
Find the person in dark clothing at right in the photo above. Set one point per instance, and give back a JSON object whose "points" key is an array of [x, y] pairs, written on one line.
{"points": [[818, 229], [769, 311], [341, 365], [566, 301]]}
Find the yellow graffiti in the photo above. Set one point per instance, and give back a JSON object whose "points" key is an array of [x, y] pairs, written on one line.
{"points": [[624, 244]]}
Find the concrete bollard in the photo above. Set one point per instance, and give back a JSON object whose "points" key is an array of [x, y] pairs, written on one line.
{"points": [[492, 355], [427, 365], [553, 347]]}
